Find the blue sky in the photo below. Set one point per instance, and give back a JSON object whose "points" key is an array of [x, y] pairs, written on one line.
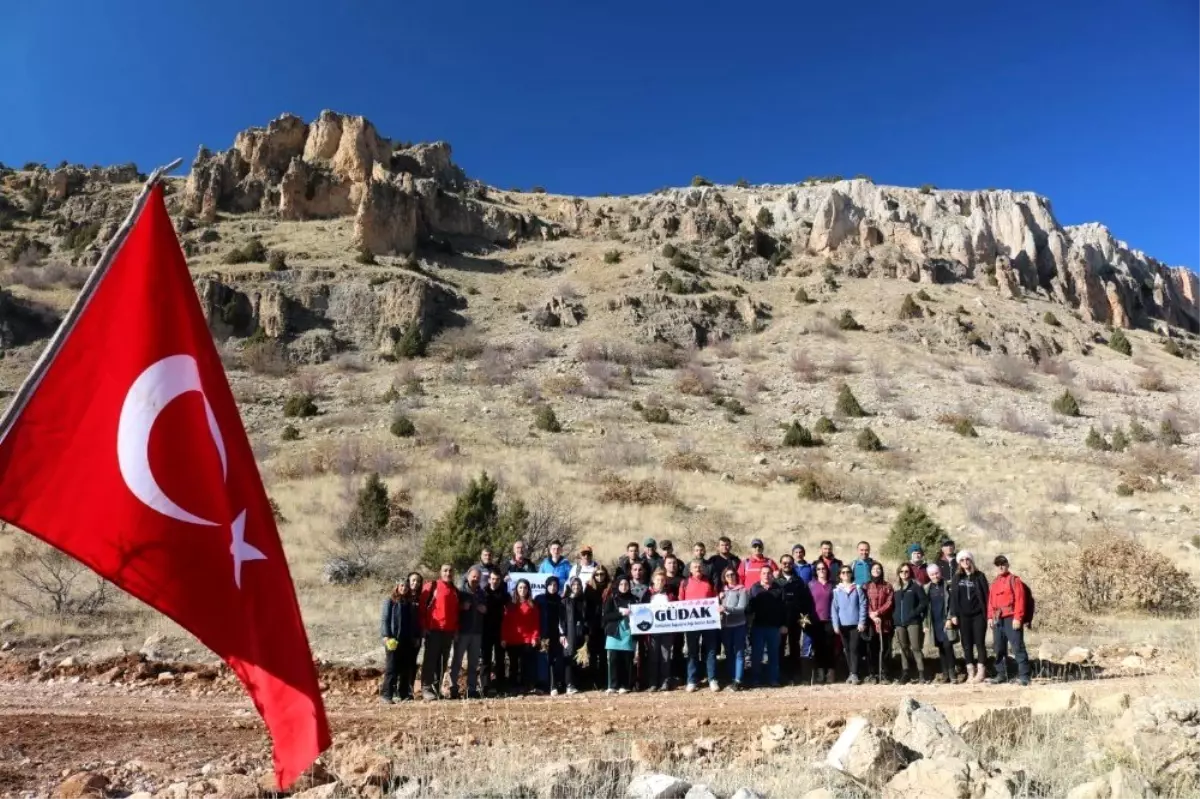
{"points": [[1096, 104]]}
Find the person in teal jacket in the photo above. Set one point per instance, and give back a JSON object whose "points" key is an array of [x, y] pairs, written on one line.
{"points": [[556, 564], [862, 566]]}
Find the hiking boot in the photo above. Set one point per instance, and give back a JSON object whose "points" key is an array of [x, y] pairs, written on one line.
{"points": [[903, 679], [829, 676], [553, 692], [387, 700], [690, 687], [666, 686], [609, 691], [818, 675], [474, 695], [737, 686], [454, 693], [622, 691], [1023, 682], [714, 686], [653, 689], [428, 695], [572, 690], [999, 679], [853, 680]]}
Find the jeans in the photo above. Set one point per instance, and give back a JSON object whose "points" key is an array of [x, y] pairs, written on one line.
{"points": [[850, 648], [556, 663], [467, 644], [702, 642], [973, 629], [1004, 634], [620, 669], [946, 655], [910, 639], [522, 667], [734, 641], [764, 638], [438, 644], [658, 661]]}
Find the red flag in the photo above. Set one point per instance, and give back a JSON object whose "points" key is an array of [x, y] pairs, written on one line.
{"points": [[125, 450]]}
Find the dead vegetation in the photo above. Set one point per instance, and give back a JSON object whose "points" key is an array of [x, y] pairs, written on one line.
{"points": [[647, 491]]}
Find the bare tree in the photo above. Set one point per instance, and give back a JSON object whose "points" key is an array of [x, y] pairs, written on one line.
{"points": [[53, 581]]}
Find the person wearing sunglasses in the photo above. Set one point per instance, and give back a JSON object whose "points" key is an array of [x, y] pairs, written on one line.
{"points": [[968, 612], [848, 613]]}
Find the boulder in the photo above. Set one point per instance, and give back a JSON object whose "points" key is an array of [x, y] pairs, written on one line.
{"points": [[866, 752], [1110, 704], [1092, 789], [699, 792], [83, 785], [746, 793], [924, 729], [1078, 655], [981, 725], [819, 793], [238, 786], [1051, 701], [943, 777], [657, 786], [1161, 737], [330, 790]]}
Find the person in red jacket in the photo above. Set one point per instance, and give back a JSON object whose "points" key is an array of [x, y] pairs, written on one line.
{"points": [[439, 619], [1006, 616], [750, 569], [519, 634], [881, 600]]}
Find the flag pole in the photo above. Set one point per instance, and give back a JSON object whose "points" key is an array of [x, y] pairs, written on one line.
{"points": [[31, 382]]}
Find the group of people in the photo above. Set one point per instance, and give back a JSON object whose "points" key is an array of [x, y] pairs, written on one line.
{"points": [[790, 619]]}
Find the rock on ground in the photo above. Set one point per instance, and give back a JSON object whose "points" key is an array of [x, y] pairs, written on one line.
{"points": [[866, 752], [981, 725], [1049, 701], [657, 786], [83, 785], [1120, 783], [330, 790], [923, 728], [699, 792]]}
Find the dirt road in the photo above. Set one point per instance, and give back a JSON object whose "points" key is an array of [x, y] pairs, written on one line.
{"points": [[46, 729]]}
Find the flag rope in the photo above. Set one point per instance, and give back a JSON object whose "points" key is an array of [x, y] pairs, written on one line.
{"points": [[31, 382]]}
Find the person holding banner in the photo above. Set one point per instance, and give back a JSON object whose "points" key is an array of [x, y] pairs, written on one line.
{"points": [[658, 647], [618, 638], [768, 622], [734, 602], [700, 642], [849, 616], [522, 626]]}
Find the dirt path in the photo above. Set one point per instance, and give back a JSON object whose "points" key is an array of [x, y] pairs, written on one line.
{"points": [[46, 729]]}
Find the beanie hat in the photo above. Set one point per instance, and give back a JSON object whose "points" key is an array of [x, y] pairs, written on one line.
{"points": [[915, 548], [964, 555]]}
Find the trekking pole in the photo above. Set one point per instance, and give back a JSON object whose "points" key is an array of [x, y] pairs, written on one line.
{"points": [[879, 645]]}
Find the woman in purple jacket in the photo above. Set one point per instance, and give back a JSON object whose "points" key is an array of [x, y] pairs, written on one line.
{"points": [[821, 631]]}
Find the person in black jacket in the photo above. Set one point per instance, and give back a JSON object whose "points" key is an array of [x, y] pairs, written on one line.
{"points": [[594, 594], [943, 634], [400, 629], [618, 638], [575, 625], [553, 637], [468, 642], [768, 622], [491, 657], [519, 563], [798, 607], [968, 612], [908, 622]]}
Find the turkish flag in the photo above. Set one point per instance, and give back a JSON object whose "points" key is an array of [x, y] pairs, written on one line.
{"points": [[125, 450]]}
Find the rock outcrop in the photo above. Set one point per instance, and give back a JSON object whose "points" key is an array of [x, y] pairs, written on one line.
{"points": [[338, 166]]}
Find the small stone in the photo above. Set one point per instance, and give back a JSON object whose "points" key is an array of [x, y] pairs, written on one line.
{"points": [[699, 792], [1078, 655], [746, 793], [1110, 704], [67, 663], [657, 786], [83, 785], [1145, 651], [761, 460], [1133, 662]]}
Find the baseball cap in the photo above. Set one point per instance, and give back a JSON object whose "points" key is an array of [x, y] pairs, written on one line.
{"points": [[649, 542], [666, 544], [757, 542]]}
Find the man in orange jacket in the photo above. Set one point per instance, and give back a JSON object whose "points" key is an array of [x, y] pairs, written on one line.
{"points": [[439, 619], [1006, 617]]}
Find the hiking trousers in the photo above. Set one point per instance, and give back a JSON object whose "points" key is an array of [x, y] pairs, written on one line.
{"points": [[1003, 635], [850, 639], [910, 639], [466, 645], [973, 629], [438, 645]]}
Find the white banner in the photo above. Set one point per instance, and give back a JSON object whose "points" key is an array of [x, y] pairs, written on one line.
{"points": [[537, 582], [675, 617]]}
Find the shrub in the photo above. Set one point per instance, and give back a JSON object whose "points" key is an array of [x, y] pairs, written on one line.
{"points": [[411, 344], [695, 380], [1095, 440], [50, 581], [669, 250], [687, 462], [277, 261], [78, 238], [1011, 371], [612, 257], [290, 433], [1118, 342], [1110, 573], [1066, 404], [927, 188], [765, 218], [1120, 442], [635, 492], [824, 426], [656, 415], [1049, 318], [368, 519], [700, 180], [1139, 433], [1171, 347], [847, 404], [923, 296], [252, 252], [847, 321], [797, 435], [1168, 436], [909, 308], [963, 425], [365, 257], [471, 524], [1152, 380], [538, 189], [545, 420], [402, 427], [1124, 490], [868, 441], [913, 525], [299, 406], [803, 298]]}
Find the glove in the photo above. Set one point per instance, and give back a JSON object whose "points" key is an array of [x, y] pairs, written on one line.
{"points": [[804, 620], [544, 645], [390, 644]]}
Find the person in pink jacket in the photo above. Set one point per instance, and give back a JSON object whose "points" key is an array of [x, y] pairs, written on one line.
{"points": [[751, 567]]}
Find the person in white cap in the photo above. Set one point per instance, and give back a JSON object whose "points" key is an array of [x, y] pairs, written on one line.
{"points": [[968, 612]]}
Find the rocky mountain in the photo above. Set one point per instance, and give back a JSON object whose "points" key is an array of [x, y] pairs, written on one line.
{"points": [[412, 207]]}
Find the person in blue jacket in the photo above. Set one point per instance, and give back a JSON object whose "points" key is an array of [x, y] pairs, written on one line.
{"points": [[556, 564], [862, 564], [848, 612], [803, 569]]}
